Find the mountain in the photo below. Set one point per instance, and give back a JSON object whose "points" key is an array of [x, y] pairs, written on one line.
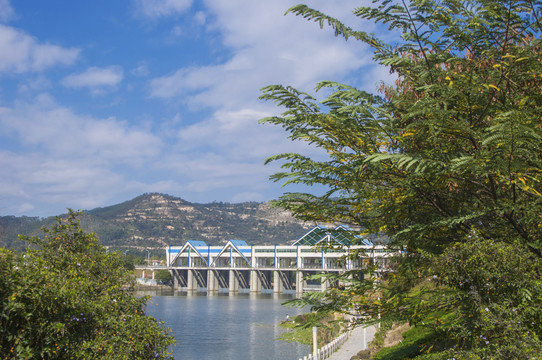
{"points": [[157, 220]]}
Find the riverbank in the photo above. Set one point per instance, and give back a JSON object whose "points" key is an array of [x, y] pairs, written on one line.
{"points": [[157, 288], [359, 338]]}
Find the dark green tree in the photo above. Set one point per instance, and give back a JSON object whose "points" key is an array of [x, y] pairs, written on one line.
{"points": [[67, 299], [163, 277], [443, 161]]}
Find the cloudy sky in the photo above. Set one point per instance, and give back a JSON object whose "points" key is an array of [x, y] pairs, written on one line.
{"points": [[101, 101]]}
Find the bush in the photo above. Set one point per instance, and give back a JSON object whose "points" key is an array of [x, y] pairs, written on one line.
{"points": [[163, 277], [497, 292], [69, 299]]}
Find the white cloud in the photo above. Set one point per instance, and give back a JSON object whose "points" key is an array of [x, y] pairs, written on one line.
{"points": [[94, 78], [21, 53], [227, 150], [212, 171], [226, 153], [23, 208], [82, 161], [6, 11], [141, 70], [37, 84], [237, 135], [161, 8], [268, 48], [200, 18], [59, 132], [74, 183], [69, 160], [177, 31]]}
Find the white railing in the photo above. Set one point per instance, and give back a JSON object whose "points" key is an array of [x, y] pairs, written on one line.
{"points": [[325, 351]]}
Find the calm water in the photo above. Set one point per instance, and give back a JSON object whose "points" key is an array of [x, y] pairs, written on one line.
{"points": [[240, 327]]}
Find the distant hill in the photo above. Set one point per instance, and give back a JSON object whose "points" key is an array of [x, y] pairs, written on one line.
{"points": [[156, 220]]}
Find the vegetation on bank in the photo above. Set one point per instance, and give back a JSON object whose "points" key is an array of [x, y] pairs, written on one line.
{"points": [[445, 161], [65, 297], [299, 328], [163, 277]]}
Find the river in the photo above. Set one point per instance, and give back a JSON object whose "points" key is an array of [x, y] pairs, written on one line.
{"points": [[239, 327]]}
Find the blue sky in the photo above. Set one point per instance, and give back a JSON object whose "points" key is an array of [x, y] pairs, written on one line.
{"points": [[101, 101]]}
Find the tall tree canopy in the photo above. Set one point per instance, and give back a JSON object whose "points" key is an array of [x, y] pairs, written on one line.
{"points": [[445, 161], [68, 299]]}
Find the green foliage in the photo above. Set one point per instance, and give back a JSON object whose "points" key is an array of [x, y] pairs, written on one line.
{"points": [[447, 156], [12, 226], [496, 291], [452, 147], [163, 277], [479, 299], [69, 299], [300, 329], [412, 345]]}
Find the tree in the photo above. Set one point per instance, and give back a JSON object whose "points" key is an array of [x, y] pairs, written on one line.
{"points": [[445, 159], [67, 298], [163, 277]]}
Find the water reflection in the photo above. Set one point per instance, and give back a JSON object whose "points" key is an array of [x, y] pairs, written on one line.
{"points": [[240, 327]]}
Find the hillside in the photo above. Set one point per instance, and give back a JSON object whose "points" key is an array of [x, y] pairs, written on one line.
{"points": [[156, 220]]}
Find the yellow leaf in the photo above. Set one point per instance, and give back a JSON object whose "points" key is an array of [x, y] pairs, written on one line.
{"points": [[494, 87]]}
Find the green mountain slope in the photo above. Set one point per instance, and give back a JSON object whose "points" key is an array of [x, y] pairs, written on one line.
{"points": [[157, 220]]}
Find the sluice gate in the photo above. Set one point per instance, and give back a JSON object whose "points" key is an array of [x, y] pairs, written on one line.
{"points": [[237, 266]]}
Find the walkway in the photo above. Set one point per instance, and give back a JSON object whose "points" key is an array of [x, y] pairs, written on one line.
{"points": [[354, 344]]}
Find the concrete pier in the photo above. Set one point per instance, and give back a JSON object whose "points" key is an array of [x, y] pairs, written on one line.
{"points": [[255, 282], [299, 283], [212, 281], [233, 282], [191, 283], [278, 283]]}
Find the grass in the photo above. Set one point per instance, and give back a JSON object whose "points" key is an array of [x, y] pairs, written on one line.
{"points": [[415, 342], [300, 329], [296, 334]]}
